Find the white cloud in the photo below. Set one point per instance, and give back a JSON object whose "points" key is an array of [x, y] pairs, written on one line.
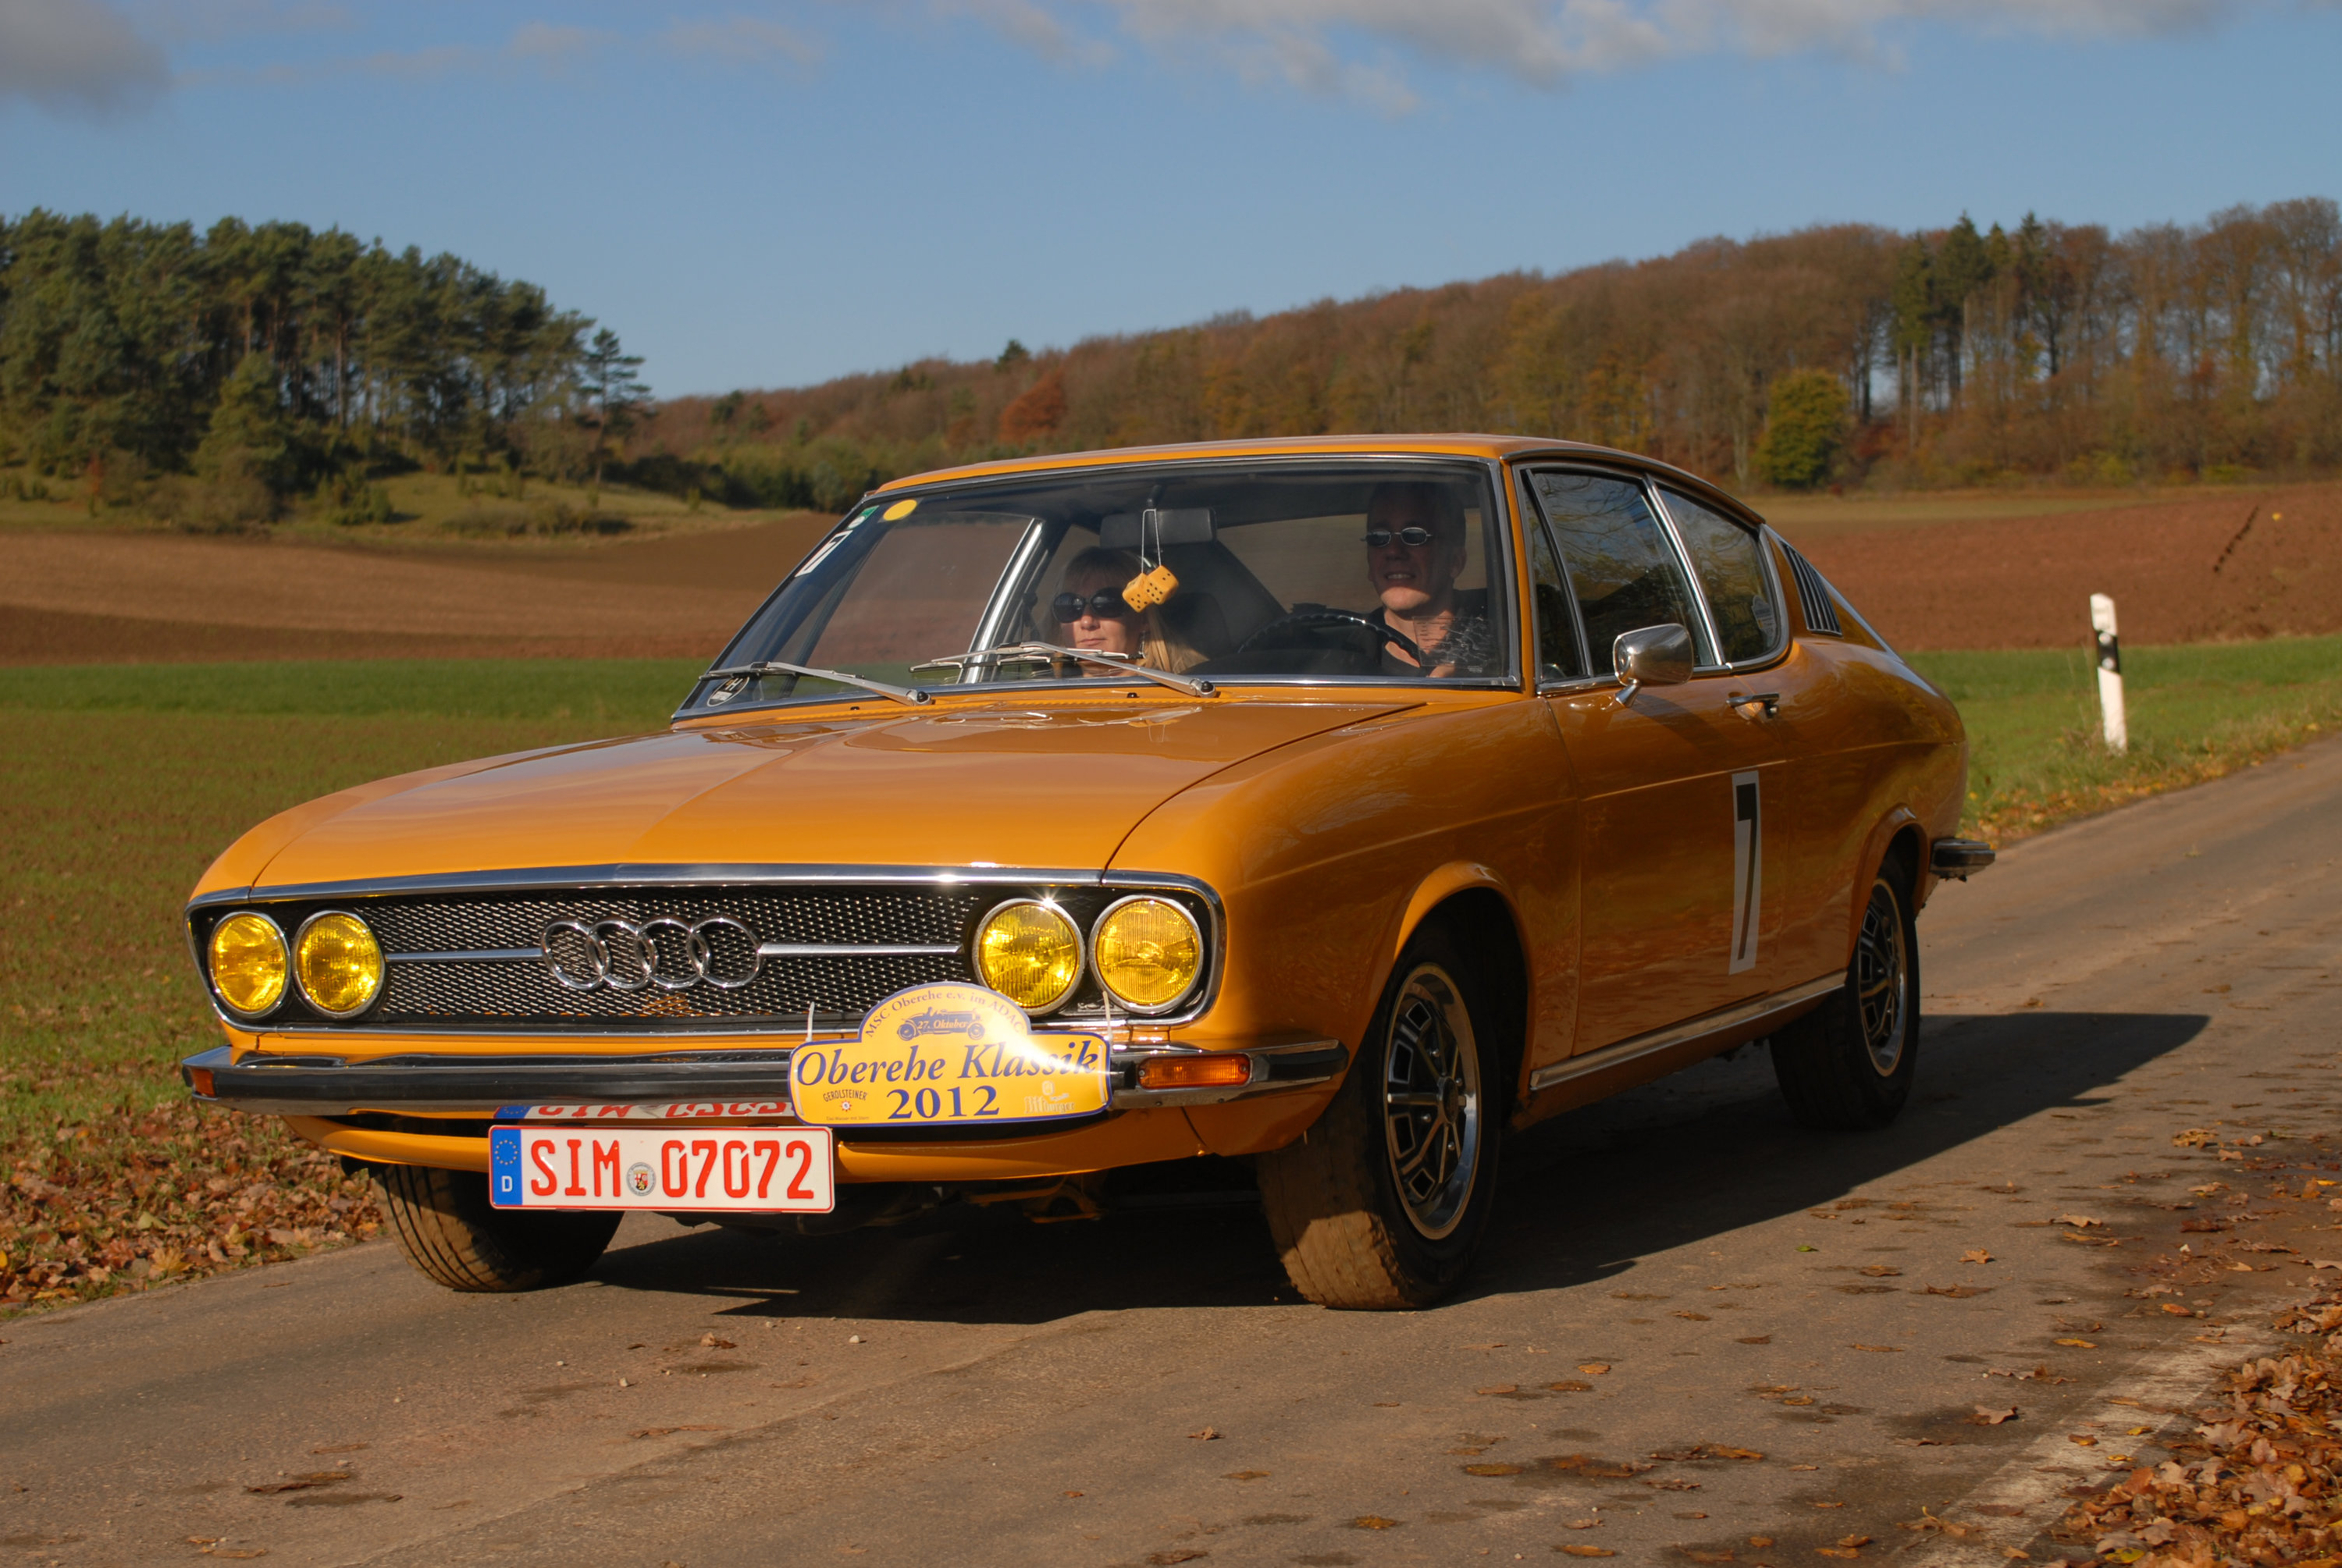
{"points": [[1353, 46], [741, 41], [77, 56]]}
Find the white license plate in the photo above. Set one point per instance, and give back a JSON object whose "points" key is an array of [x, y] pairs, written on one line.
{"points": [[763, 1170]]}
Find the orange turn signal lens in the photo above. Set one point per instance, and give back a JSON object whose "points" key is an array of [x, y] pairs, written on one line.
{"points": [[201, 1079], [1218, 1069]]}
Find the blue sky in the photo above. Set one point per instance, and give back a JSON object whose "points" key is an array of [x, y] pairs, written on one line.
{"points": [[770, 195]]}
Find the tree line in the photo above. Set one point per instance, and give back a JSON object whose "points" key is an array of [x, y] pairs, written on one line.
{"points": [[1837, 354], [271, 360]]}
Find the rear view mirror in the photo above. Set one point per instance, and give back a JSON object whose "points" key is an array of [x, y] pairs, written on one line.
{"points": [[1651, 656], [1155, 527]]}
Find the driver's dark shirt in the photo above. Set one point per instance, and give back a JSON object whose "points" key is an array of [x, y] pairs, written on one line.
{"points": [[1470, 644]]}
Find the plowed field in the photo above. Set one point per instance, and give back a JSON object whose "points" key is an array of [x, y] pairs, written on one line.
{"points": [[2231, 565]]}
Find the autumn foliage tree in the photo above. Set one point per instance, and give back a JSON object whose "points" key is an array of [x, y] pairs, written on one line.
{"points": [[1804, 428]]}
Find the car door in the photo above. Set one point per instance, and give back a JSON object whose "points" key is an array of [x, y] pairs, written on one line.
{"points": [[1682, 849]]}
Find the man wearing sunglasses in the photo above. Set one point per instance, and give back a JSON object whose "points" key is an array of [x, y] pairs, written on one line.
{"points": [[1414, 551]]}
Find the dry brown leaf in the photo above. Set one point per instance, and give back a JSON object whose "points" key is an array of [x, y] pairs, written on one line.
{"points": [[1838, 1551], [1757, 1339], [1853, 1540], [669, 1431], [712, 1343], [1694, 1316], [1760, 1542], [2175, 1310], [1697, 1556], [1987, 1415], [1881, 1349], [1594, 1368], [2080, 1220], [1492, 1469], [1578, 1551], [1177, 1554], [2077, 1343], [1586, 1525], [1880, 1271], [1976, 1255], [1209, 1435], [1244, 1475], [302, 1482], [1374, 1521]]}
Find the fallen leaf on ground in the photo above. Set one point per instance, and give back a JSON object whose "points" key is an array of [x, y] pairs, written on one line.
{"points": [[1928, 1521], [1881, 1349], [1208, 1434], [1837, 1550], [302, 1482], [1696, 1556], [1374, 1522], [1244, 1475], [1958, 1292], [1596, 1368], [1760, 1542], [712, 1343], [2175, 1310], [1578, 1551], [1492, 1469], [1694, 1316], [1671, 1483], [1880, 1271], [1987, 1416], [1976, 1255], [1757, 1339], [1829, 1505], [2077, 1343], [1178, 1555], [2082, 1220], [1854, 1541], [1586, 1524]]}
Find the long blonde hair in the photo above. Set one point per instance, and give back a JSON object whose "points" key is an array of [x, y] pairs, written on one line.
{"points": [[1160, 646]]}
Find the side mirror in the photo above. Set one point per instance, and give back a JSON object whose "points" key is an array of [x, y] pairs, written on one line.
{"points": [[1651, 656]]}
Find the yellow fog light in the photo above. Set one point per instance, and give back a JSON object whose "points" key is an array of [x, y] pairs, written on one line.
{"points": [[1148, 951], [248, 963], [1029, 953], [339, 962]]}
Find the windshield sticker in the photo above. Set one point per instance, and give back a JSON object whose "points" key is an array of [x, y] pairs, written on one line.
{"points": [[900, 510]]}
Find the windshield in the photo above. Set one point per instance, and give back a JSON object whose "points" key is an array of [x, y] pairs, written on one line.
{"points": [[1314, 571]]}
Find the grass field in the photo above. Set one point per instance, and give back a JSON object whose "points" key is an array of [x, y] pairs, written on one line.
{"points": [[122, 781]]}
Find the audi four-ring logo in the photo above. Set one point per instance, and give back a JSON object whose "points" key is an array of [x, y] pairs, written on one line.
{"points": [[626, 956]]}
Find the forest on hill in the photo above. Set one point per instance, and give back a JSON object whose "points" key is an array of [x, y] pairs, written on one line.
{"points": [[1840, 353], [224, 376]]}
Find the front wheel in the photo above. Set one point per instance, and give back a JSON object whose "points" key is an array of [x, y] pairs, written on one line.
{"points": [[1849, 1063], [1382, 1202], [454, 1235]]}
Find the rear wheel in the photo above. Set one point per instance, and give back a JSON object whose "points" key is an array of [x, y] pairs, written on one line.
{"points": [[449, 1231], [1382, 1202], [1849, 1063]]}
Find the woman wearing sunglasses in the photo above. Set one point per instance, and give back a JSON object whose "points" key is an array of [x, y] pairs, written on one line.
{"points": [[1415, 552], [1091, 612]]}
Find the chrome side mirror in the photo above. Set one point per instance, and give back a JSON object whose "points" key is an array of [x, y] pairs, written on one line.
{"points": [[1651, 656]]}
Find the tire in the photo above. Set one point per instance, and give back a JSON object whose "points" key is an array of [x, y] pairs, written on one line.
{"points": [[1381, 1204], [452, 1235], [1848, 1064]]}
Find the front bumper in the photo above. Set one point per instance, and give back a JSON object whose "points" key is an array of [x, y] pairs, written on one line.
{"points": [[423, 1082]]}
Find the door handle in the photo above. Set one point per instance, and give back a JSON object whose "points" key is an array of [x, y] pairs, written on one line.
{"points": [[1741, 702]]}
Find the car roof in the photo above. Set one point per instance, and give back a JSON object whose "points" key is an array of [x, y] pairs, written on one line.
{"points": [[1446, 444]]}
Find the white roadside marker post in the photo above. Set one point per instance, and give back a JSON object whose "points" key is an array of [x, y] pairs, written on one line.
{"points": [[2110, 690]]}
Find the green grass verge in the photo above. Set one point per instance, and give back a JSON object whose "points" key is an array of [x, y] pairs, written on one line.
{"points": [[2196, 712]]}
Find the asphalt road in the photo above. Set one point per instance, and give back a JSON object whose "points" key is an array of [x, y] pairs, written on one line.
{"points": [[1672, 1276]]}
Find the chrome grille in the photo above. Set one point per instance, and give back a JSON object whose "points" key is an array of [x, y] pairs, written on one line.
{"points": [[520, 993]]}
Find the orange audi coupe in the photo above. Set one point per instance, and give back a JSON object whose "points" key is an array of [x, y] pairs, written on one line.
{"points": [[1338, 805]]}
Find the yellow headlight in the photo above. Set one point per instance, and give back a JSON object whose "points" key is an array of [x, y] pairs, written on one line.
{"points": [[1148, 951], [339, 964], [1029, 953], [249, 967]]}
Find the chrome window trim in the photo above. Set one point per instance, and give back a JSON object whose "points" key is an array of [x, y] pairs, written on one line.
{"points": [[1198, 1001], [1002, 603], [1533, 516], [1648, 484], [1113, 996], [1081, 946], [1780, 645], [1513, 678]]}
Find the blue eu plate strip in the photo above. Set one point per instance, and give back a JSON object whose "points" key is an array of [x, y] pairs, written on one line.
{"points": [[504, 1166]]}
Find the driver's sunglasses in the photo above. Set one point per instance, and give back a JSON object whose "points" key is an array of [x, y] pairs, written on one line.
{"points": [[1414, 538], [1106, 605]]}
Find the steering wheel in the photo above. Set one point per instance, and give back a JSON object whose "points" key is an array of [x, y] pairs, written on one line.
{"points": [[1321, 615]]}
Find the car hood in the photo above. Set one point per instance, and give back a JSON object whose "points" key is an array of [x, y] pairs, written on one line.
{"points": [[1056, 786]]}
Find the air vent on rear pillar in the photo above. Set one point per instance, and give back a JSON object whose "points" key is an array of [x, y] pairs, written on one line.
{"points": [[1813, 593]]}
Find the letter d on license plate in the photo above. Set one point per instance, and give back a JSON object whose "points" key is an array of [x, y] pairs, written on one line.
{"points": [[763, 1170]]}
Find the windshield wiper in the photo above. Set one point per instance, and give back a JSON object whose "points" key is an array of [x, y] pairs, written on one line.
{"points": [[910, 696], [1037, 653]]}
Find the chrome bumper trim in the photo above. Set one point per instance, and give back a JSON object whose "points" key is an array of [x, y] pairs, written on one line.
{"points": [[1628, 1050], [323, 1085], [1960, 858]]}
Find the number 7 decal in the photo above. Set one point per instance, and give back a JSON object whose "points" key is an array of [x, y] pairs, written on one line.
{"points": [[1747, 870]]}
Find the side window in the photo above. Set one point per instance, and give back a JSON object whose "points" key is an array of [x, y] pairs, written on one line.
{"points": [[1625, 573], [1730, 565], [1559, 657]]}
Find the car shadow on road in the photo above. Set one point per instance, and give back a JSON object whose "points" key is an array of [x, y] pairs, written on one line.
{"points": [[1702, 1154]]}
